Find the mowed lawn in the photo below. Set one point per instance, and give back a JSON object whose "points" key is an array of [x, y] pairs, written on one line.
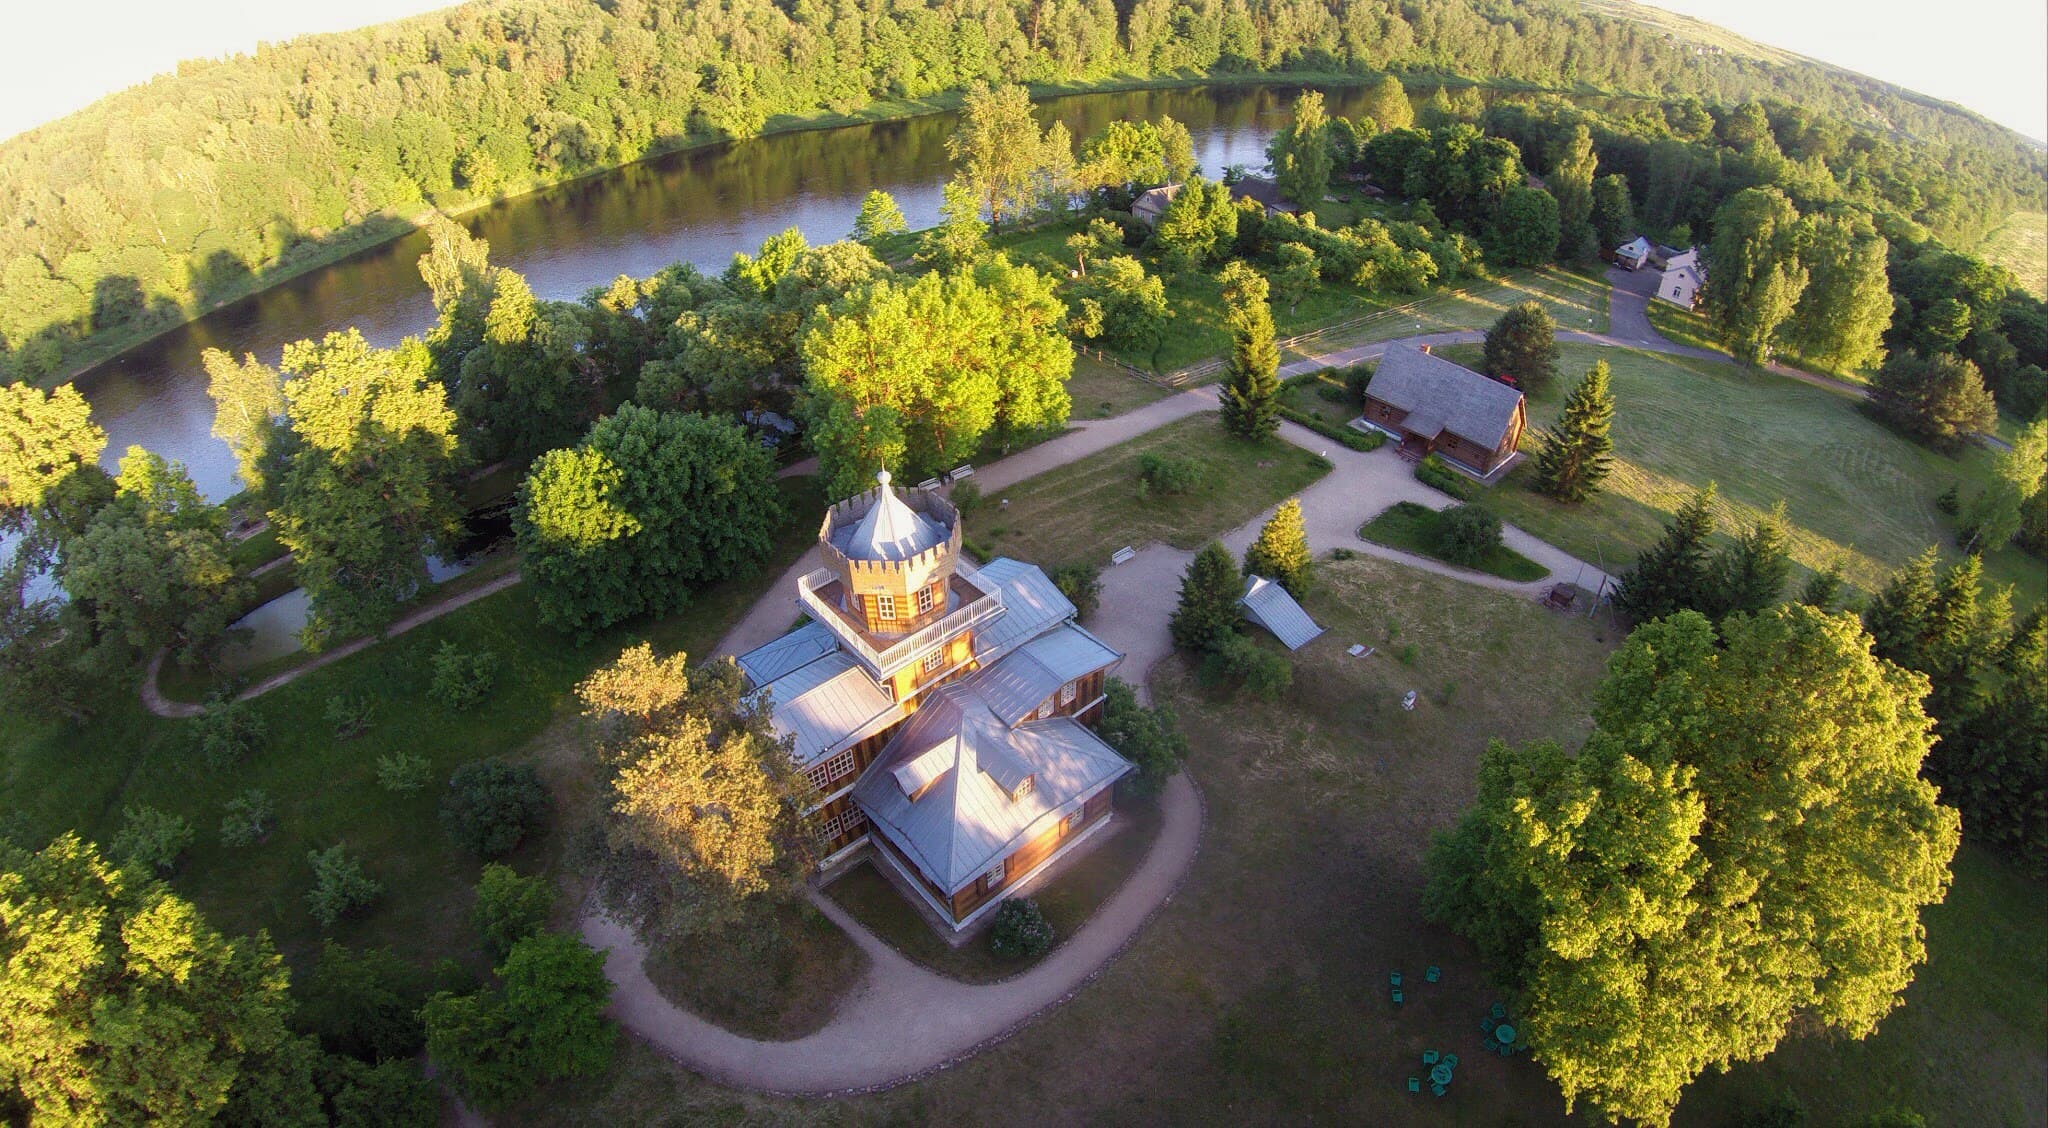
{"points": [[58, 777], [2020, 245], [1085, 510], [1259, 993], [1854, 490]]}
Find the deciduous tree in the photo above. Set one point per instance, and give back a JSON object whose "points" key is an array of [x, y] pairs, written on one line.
{"points": [[46, 438], [544, 1022], [1008, 164], [1521, 348], [1940, 400], [1847, 304], [1574, 455], [248, 408], [1757, 275], [1301, 152], [1525, 231], [1614, 217], [879, 217], [2017, 474], [1743, 843]]}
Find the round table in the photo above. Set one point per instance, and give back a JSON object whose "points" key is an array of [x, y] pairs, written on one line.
{"points": [[1440, 1073], [1505, 1034]]}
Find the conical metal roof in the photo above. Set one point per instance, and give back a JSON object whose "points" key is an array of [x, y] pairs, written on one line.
{"points": [[892, 530]]}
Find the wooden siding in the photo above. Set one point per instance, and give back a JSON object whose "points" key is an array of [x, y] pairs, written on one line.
{"points": [[1028, 856]]}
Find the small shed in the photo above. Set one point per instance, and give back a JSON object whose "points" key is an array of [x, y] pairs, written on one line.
{"points": [[1633, 254], [1680, 285], [1671, 258], [1269, 605]]}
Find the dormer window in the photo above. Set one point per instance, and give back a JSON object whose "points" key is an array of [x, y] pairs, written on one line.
{"points": [[1024, 787], [885, 608]]}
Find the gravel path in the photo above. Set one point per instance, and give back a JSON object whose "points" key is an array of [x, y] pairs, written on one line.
{"points": [[902, 1022]]}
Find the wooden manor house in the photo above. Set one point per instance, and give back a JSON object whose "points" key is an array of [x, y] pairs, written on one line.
{"points": [[1432, 406], [941, 710]]}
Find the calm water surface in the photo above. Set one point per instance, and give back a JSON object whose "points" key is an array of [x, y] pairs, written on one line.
{"points": [[697, 207]]}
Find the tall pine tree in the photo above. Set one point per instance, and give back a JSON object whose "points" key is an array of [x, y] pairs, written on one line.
{"points": [[1281, 553], [1674, 573], [1207, 616], [1574, 456], [1251, 391], [1750, 575]]}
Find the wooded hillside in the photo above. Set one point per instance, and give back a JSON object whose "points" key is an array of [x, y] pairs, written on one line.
{"points": [[163, 200]]}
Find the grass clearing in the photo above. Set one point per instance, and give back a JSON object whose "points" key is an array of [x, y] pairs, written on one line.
{"points": [[1413, 528], [61, 777], [1076, 888], [1324, 397], [1085, 510], [2020, 245], [776, 991], [1101, 390], [1574, 300], [1854, 490]]}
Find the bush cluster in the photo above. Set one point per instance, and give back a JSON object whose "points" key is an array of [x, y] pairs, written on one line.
{"points": [[491, 805], [1081, 584], [1435, 473], [1021, 930], [339, 885], [462, 679], [1166, 475], [1465, 534]]}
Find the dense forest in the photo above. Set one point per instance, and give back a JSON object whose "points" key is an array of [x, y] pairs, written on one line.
{"points": [[164, 200]]}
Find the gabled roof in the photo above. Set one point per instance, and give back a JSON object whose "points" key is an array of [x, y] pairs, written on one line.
{"points": [[1263, 191], [1270, 606], [1685, 272], [827, 705], [1449, 396], [798, 648], [1031, 604], [1153, 201], [889, 530], [1637, 247], [1016, 686], [964, 765]]}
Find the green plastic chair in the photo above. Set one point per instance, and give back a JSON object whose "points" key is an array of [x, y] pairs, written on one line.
{"points": [[1397, 996], [1433, 973], [1429, 1057], [1436, 1088], [1499, 1011], [1451, 1060], [1394, 977], [1415, 1084]]}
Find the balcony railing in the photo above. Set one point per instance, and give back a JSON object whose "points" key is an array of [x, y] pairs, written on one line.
{"points": [[900, 652]]}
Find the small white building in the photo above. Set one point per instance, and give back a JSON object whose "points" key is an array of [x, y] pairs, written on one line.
{"points": [[1680, 285], [1632, 254]]}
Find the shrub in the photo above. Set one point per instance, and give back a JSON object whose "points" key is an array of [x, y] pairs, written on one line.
{"points": [[491, 805], [350, 715], [509, 908], [1332, 393], [1437, 474], [1250, 667], [247, 818], [339, 885], [362, 1002], [1146, 736], [1349, 436], [151, 839], [1465, 534], [462, 680], [228, 731], [403, 772], [1356, 378], [966, 498], [1949, 501], [1167, 475], [1081, 584], [1021, 930]]}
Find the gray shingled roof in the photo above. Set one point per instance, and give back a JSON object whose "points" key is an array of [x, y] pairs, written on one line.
{"points": [[1016, 686], [1468, 405], [1269, 605], [798, 648], [965, 821], [828, 704], [1030, 604]]}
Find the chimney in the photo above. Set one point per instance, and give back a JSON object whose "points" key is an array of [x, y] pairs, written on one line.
{"points": [[1425, 349]]}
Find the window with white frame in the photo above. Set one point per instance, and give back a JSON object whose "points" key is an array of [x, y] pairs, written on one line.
{"points": [[1025, 787], [1044, 710], [824, 775], [993, 879], [934, 660], [847, 821], [924, 599], [885, 607], [1068, 692]]}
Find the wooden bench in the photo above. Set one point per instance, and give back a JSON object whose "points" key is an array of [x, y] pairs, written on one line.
{"points": [[1122, 555], [959, 472], [930, 484]]}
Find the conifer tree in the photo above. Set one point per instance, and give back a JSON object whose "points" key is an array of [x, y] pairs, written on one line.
{"points": [[1281, 553], [1571, 181], [1574, 456], [1824, 587], [1251, 389], [879, 217], [1521, 348], [1675, 573], [1899, 614], [1301, 152], [1207, 616], [1750, 575]]}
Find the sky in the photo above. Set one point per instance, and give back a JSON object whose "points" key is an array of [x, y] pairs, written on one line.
{"points": [[1989, 55]]}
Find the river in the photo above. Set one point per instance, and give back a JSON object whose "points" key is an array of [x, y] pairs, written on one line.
{"points": [[697, 206]]}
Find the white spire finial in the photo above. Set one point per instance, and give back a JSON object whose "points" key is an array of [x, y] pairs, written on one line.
{"points": [[883, 477]]}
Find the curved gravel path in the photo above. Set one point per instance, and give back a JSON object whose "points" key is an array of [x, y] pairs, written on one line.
{"points": [[902, 1022]]}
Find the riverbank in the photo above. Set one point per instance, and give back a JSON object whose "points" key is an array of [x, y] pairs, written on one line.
{"points": [[385, 227]]}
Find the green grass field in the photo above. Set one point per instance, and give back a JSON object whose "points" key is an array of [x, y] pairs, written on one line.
{"points": [[60, 777], [1259, 994], [2020, 245], [1088, 509], [1101, 390], [1413, 528], [1854, 490]]}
